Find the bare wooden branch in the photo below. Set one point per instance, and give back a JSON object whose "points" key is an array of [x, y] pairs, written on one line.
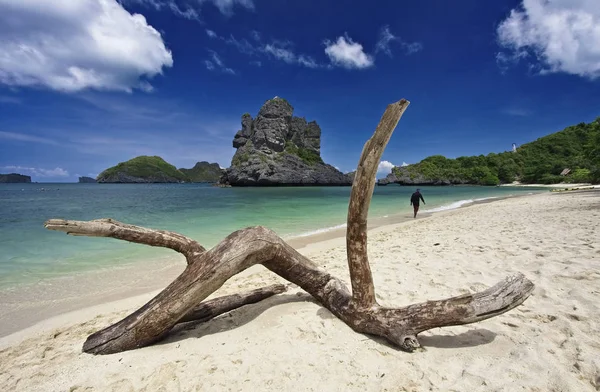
{"points": [[216, 307], [207, 270], [140, 235], [363, 290]]}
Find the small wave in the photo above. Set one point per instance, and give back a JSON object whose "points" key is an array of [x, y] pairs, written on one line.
{"points": [[451, 206], [486, 198], [319, 231]]}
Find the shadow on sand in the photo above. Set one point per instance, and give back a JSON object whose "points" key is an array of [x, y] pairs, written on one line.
{"points": [[231, 320], [246, 314]]}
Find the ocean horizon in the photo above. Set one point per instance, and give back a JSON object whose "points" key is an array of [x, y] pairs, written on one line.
{"points": [[30, 253]]}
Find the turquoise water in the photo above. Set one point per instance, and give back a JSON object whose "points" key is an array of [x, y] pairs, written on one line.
{"points": [[28, 252]]}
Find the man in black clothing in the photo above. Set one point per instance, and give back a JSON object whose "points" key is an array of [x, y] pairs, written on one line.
{"points": [[414, 201]]}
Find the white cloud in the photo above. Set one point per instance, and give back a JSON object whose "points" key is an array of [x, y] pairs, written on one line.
{"points": [[281, 53], [348, 54], [38, 172], [217, 63], [209, 65], [226, 6], [385, 167], [280, 50], [307, 61], [286, 54], [243, 45], [187, 11], [21, 137], [344, 52], [386, 38], [75, 45], [564, 36], [404, 164]]}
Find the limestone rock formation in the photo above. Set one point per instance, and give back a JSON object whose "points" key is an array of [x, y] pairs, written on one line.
{"points": [[277, 148], [87, 180]]}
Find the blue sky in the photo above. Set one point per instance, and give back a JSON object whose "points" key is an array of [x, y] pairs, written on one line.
{"points": [[89, 83]]}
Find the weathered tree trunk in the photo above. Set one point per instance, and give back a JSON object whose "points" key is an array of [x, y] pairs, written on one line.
{"points": [[212, 308], [208, 270]]}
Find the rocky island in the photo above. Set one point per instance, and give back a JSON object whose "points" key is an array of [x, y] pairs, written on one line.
{"points": [[277, 148], [154, 169], [14, 178], [143, 169], [87, 180], [203, 172]]}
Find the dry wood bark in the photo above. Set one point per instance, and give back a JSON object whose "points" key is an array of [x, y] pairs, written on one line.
{"points": [[208, 270], [212, 308]]}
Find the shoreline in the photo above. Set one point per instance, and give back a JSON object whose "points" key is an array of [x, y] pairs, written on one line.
{"points": [[21, 307], [560, 185], [290, 342]]}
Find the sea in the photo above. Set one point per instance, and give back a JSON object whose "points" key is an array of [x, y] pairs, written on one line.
{"points": [[30, 253]]}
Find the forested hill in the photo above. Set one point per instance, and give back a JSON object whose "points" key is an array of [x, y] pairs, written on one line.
{"points": [[539, 162]]}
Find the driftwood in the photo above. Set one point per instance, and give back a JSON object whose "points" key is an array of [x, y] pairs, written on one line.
{"points": [[207, 270]]}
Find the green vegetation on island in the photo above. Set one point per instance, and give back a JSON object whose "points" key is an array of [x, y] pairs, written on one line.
{"points": [[309, 157], [143, 169], [203, 172], [542, 161], [154, 169]]}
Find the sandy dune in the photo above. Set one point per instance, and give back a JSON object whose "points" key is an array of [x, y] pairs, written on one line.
{"points": [[288, 342]]}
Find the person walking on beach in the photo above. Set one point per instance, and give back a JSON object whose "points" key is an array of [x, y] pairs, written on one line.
{"points": [[414, 201]]}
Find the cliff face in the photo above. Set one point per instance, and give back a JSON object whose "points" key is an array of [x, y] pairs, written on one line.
{"points": [[14, 178], [203, 172], [277, 148], [87, 180], [143, 169]]}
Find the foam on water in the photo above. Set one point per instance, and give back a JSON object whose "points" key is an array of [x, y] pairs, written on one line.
{"points": [[319, 231], [485, 198], [451, 206]]}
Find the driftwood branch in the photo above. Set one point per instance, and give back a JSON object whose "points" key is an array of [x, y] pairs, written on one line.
{"points": [[140, 235], [216, 307], [363, 290], [208, 270]]}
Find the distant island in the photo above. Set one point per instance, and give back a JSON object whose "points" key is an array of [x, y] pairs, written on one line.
{"points": [[203, 172], [14, 178], [278, 148], [154, 169], [571, 155], [87, 180]]}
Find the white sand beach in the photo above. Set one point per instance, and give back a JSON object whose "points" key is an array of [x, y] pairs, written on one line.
{"points": [[289, 342]]}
